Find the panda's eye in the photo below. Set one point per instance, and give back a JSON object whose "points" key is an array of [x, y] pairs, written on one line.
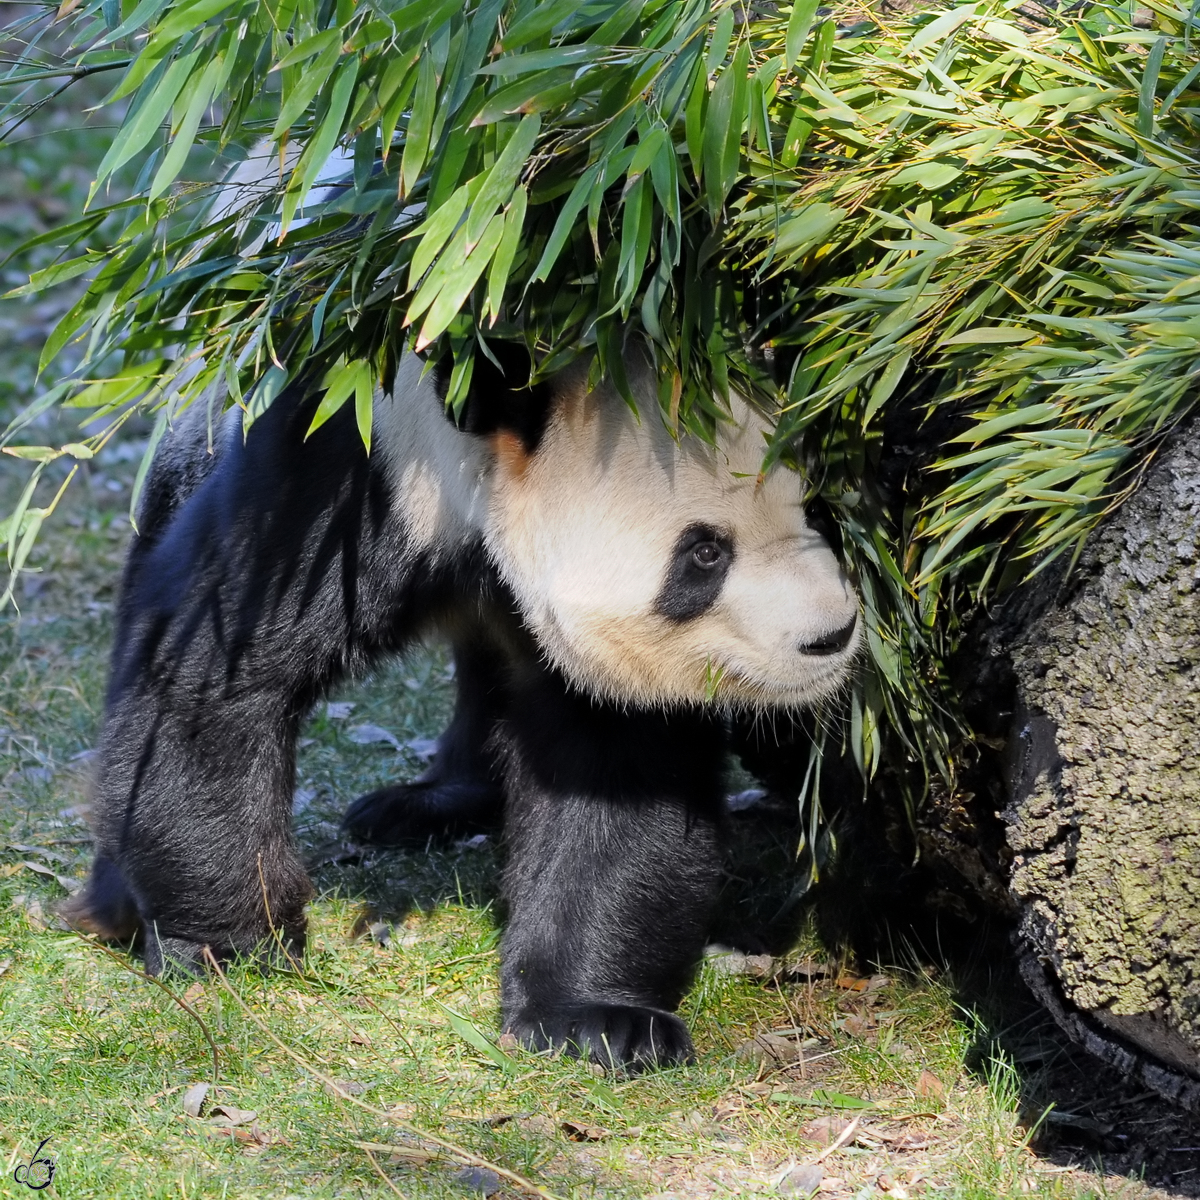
{"points": [[695, 573]]}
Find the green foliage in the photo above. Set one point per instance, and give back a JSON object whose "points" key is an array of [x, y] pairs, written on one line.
{"points": [[960, 230]]}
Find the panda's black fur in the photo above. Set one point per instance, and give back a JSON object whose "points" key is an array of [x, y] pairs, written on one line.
{"points": [[255, 587]]}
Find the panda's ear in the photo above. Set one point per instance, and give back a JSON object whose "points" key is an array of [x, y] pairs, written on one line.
{"points": [[500, 399]]}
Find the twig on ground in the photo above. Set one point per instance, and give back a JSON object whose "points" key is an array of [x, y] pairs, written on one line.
{"points": [[378, 1169], [158, 983], [459, 1152], [846, 1135]]}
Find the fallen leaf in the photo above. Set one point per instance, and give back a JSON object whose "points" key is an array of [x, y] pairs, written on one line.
{"points": [[194, 1098], [778, 1048], [727, 1107], [370, 735], [930, 1085], [351, 1087], [41, 852], [422, 748], [825, 1130], [400, 1153], [852, 983], [5, 963], [745, 801], [339, 710], [65, 882], [844, 1138], [899, 1140], [733, 962], [808, 970], [584, 1133], [857, 1024], [251, 1139], [35, 915], [223, 1115], [194, 993]]}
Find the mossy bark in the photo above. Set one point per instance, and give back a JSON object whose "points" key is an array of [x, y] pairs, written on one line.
{"points": [[1104, 775]]}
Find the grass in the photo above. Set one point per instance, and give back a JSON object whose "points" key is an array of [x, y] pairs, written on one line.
{"points": [[398, 1002]]}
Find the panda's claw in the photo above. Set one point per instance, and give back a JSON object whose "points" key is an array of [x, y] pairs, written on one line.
{"points": [[414, 812], [628, 1037]]}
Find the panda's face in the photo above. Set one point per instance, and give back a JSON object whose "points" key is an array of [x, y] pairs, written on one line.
{"points": [[662, 573]]}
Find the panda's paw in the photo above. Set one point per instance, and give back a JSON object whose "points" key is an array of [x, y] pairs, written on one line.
{"points": [[617, 1036], [415, 812]]}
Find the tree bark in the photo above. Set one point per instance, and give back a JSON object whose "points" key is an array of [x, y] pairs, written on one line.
{"points": [[1103, 768]]}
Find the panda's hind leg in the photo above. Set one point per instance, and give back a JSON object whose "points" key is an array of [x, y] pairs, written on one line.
{"points": [[611, 827], [460, 793]]}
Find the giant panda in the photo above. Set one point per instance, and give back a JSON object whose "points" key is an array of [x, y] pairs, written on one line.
{"points": [[610, 591]]}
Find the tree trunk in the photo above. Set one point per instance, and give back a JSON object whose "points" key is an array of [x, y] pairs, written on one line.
{"points": [[1104, 783]]}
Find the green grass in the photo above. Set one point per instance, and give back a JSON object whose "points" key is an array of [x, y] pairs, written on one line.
{"points": [[97, 1059]]}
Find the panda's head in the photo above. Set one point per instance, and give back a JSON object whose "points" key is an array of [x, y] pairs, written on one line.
{"points": [[661, 572]]}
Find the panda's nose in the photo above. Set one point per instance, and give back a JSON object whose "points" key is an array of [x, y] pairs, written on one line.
{"points": [[832, 643]]}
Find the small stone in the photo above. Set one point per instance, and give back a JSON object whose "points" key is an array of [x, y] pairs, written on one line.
{"points": [[801, 1180], [478, 1179]]}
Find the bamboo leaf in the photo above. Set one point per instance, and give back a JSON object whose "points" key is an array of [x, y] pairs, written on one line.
{"points": [[183, 137], [437, 231], [310, 82], [364, 396], [450, 298], [514, 224], [318, 150], [149, 116], [339, 384], [497, 187], [420, 124], [799, 23]]}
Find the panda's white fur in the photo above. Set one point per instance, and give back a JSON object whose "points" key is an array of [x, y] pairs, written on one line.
{"points": [[582, 529]]}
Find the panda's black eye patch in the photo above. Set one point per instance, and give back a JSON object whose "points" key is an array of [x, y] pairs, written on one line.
{"points": [[700, 560]]}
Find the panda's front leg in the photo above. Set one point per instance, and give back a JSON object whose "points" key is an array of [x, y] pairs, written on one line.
{"points": [[612, 832]]}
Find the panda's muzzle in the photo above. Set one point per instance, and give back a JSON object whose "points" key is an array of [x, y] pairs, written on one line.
{"points": [[831, 643]]}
